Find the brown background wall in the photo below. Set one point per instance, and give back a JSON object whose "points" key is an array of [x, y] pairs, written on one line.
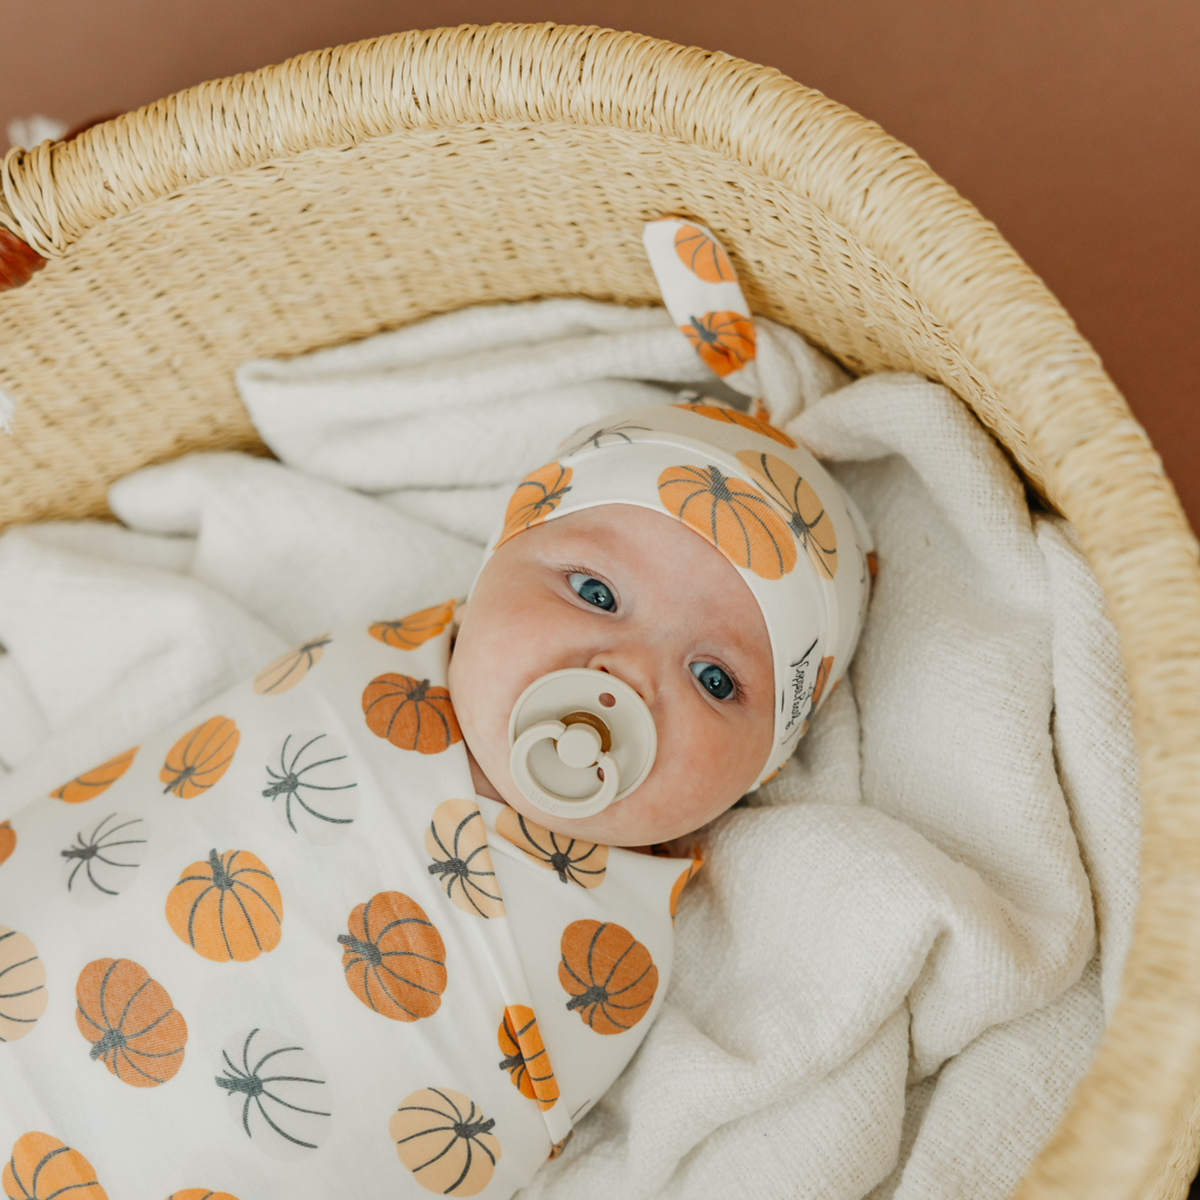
{"points": [[1073, 124]]}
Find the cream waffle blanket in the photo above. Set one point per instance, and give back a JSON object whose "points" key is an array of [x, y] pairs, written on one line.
{"points": [[898, 958]]}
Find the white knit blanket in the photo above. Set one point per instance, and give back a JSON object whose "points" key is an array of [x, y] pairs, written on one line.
{"points": [[897, 960]]}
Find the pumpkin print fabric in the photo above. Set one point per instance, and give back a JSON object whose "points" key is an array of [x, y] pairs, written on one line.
{"points": [[415, 629], [288, 669], [608, 974], [96, 781], [43, 1168], [412, 714], [271, 964], [130, 1021]]}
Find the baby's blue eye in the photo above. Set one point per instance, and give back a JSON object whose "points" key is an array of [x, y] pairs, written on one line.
{"points": [[592, 590], [713, 679]]}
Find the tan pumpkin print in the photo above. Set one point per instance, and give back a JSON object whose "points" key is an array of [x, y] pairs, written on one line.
{"points": [[394, 958], [536, 497], [685, 877], [8, 841], [410, 713], [200, 758], [415, 629], [525, 1057], [702, 255], [200, 1194], [731, 416], [227, 908], [41, 1168], [734, 516], [724, 341], [283, 673], [608, 974], [99, 779], [277, 1093], [445, 1141], [462, 863], [23, 996], [134, 1029], [811, 525], [573, 859]]}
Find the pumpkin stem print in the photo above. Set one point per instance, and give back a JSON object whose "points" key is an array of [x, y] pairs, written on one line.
{"points": [[283, 673], [723, 340], [312, 786], [128, 1017], [415, 629], [734, 516], [535, 498], [810, 524], [43, 1168], [410, 713], [608, 974], [278, 1093], [228, 908], [98, 779], [572, 859], [445, 1141], [394, 958], [525, 1057], [457, 842], [101, 863], [200, 758]]}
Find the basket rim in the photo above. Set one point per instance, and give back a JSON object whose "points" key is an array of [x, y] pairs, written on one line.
{"points": [[1097, 463]]}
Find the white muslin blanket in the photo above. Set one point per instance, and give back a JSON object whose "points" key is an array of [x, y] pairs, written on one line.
{"points": [[899, 955]]}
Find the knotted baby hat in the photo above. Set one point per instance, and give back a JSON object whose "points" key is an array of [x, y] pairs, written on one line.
{"points": [[748, 488]]}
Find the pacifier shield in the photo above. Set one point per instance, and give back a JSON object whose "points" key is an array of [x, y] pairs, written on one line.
{"points": [[580, 739]]}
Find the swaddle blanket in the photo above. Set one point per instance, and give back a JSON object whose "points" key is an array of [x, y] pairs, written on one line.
{"points": [[885, 977], [314, 963]]}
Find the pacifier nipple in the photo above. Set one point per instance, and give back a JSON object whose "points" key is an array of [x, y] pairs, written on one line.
{"points": [[580, 740]]}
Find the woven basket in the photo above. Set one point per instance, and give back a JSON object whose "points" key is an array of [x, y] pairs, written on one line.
{"points": [[353, 190]]}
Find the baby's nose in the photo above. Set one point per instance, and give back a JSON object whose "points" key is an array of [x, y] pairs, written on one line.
{"points": [[630, 667]]}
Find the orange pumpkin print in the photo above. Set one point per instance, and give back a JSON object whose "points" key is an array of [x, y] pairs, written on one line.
{"points": [[806, 515], [702, 255], [227, 908], [735, 517], [445, 1141], [685, 877], [608, 974], [415, 629], [23, 997], [731, 416], [8, 840], [130, 1021], [394, 958], [283, 673], [525, 1057], [537, 495], [462, 863], [42, 1167], [200, 758], [200, 1194], [98, 779], [410, 713], [559, 1146], [575, 860], [724, 340]]}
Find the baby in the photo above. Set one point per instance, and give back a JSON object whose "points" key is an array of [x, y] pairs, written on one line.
{"points": [[365, 924]]}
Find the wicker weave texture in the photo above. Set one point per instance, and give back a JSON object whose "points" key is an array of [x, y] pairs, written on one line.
{"points": [[356, 189]]}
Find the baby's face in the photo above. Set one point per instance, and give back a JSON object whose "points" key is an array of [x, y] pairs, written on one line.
{"points": [[626, 590]]}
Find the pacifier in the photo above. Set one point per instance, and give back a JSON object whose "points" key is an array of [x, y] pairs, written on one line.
{"points": [[580, 739]]}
